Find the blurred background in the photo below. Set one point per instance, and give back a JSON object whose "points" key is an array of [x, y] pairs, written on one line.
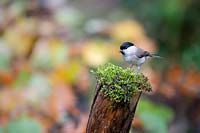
{"points": [[48, 47]]}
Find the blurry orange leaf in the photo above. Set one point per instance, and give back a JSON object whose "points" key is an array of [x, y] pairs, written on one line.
{"points": [[136, 123], [190, 82], [6, 78], [174, 74]]}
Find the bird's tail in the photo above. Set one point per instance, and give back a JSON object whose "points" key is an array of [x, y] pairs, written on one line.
{"points": [[156, 56]]}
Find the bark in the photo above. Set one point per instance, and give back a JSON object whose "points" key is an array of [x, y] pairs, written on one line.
{"points": [[107, 116]]}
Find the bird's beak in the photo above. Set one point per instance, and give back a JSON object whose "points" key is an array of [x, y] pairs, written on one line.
{"points": [[122, 52]]}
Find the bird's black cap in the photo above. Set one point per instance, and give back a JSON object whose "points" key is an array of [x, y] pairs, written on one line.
{"points": [[125, 45]]}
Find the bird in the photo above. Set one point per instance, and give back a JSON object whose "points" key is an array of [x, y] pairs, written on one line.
{"points": [[135, 55]]}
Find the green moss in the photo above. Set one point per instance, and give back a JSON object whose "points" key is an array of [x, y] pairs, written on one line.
{"points": [[120, 84]]}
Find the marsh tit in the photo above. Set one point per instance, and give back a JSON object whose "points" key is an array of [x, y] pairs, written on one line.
{"points": [[136, 56]]}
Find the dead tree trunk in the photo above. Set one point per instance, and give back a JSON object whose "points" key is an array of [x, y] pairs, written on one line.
{"points": [[107, 116], [117, 93]]}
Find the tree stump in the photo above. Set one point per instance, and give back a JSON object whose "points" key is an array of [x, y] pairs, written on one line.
{"points": [[115, 102]]}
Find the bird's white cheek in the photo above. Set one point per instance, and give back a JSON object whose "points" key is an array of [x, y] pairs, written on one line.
{"points": [[128, 58], [130, 51]]}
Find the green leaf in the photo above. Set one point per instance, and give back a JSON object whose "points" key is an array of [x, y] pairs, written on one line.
{"points": [[1, 130], [191, 56], [22, 78], [5, 56], [23, 124], [153, 123], [154, 117]]}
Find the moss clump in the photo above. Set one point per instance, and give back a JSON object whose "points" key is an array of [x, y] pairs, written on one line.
{"points": [[119, 84]]}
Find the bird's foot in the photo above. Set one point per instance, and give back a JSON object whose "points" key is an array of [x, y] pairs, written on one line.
{"points": [[137, 70]]}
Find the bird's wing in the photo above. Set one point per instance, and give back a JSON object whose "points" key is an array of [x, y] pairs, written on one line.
{"points": [[141, 53]]}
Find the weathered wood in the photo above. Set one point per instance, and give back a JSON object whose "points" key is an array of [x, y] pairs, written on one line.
{"points": [[107, 116]]}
